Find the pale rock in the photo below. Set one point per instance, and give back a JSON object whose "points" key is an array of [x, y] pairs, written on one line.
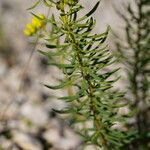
{"points": [[52, 136], [3, 68], [65, 144], [5, 143], [91, 147], [26, 142], [69, 141], [35, 114]]}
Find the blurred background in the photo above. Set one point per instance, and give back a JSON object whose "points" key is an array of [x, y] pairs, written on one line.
{"points": [[27, 121]]}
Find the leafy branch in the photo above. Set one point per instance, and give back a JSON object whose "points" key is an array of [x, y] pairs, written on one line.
{"points": [[84, 60]]}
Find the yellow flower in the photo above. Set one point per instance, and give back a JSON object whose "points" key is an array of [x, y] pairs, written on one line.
{"points": [[29, 30], [36, 23]]}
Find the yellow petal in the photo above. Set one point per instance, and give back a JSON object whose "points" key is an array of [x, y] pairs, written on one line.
{"points": [[30, 27], [39, 17], [36, 23], [27, 32]]}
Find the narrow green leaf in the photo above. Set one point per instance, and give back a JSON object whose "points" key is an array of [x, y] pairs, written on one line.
{"points": [[51, 46], [56, 46], [61, 66], [60, 86], [71, 98], [90, 12], [47, 4], [32, 7], [93, 10], [65, 111]]}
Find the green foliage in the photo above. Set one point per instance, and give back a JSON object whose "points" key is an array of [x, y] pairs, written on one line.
{"points": [[136, 57], [84, 58]]}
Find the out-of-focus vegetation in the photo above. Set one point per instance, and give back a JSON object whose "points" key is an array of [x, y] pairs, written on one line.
{"points": [[135, 56]]}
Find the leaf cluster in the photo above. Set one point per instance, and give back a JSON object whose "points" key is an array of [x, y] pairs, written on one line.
{"points": [[84, 58]]}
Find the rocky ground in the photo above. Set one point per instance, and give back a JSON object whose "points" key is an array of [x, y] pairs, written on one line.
{"points": [[27, 121]]}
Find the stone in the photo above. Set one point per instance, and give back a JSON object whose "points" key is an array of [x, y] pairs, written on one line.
{"points": [[25, 141], [35, 114], [52, 136]]}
